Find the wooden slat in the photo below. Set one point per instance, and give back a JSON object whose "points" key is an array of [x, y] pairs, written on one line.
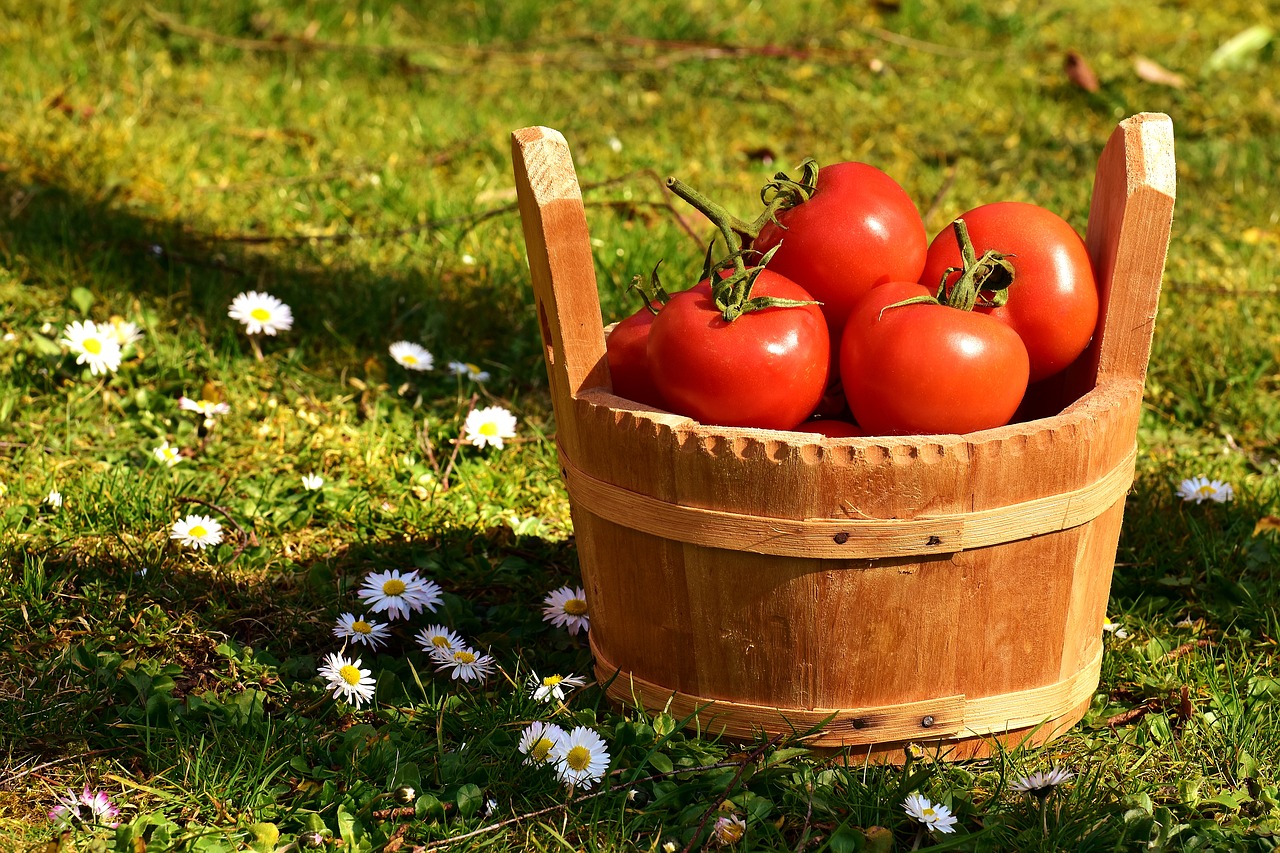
{"points": [[847, 538]]}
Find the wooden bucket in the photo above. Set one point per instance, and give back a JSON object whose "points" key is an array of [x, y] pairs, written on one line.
{"points": [[942, 590]]}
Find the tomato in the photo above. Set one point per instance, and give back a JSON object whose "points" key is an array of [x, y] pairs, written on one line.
{"points": [[831, 428], [767, 368], [627, 352], [927, 369], [858, 229], [1053, 301]]}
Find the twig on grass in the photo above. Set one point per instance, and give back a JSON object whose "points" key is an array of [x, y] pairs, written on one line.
{"points": [[247, 538], [750, 758]]}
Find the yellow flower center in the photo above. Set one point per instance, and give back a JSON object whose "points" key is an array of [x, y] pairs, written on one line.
{"points": [[731, 833], [578, 758], [393, 587], [488, 428], [927, 813], [440, 641], [540, 749], [350, 674], [1206, 490], [262, 315], [464, 656], [409, 359], [92, 345], [198, 531], [361, 627], [552, 680], [575, 607]]}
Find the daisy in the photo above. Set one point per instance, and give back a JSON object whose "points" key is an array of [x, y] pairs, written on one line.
{"points": [[553, 686], [1201, 489], [537, 741], [411, 356], [166, 453], [1115, 629], [435, 638], [85, 807], [1042, 784], [933, 817], [399, 594], [729, 829], [54, 499], [123, 331], [567, 608], [581, 757], [490, 425], [261, 313], [208, 408], [360, 630], [196, 531], [466, 664], [347, 680], [312, 482], [93, 345], [469, 370]]}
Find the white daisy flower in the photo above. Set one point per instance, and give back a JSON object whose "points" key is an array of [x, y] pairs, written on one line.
{"points": [[581, 757], [411, 356], [312, 482], [469, 370], [1115, 629], [124, 331], [399, 594], [464, 663], [489, 426], [729, 829], [347, 680], [935, 817], [196, 531], [537, 741], [1042, 784], [1201, 489], [93, 345], [208, 408], [553, 686], [166, 453], [261, 313], [360, 630], [566, 607], [435, 638], [54, 499]]}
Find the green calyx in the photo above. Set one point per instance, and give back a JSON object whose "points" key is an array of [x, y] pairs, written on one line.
{"points": [[983, 280], [730, 278]]}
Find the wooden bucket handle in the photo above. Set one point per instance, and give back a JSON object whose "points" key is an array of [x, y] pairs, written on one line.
{"points": [[1128, 236]]}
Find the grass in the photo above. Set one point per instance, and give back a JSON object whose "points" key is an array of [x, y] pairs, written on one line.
{"points": [[353, 160]]}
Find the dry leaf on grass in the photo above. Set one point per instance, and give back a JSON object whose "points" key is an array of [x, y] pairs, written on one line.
{"points": [[1154, 72], [1079, 72], [1267, 524]]}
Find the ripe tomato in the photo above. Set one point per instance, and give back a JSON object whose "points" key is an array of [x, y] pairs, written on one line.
{"points": [[627, 351], [1053, 301], [857, 230], [928, 369], [767, 368]]}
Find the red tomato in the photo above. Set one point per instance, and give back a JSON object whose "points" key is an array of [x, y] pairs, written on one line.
{"points": [[626, 349], [857, 230], [1053, 301], [767, 368], [831, 428], [928, 369]]}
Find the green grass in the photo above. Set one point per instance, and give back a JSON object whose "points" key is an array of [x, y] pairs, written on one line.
{"points": [[154, 162]]}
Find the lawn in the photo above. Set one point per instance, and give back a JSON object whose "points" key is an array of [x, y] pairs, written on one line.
{"points": [[353, 161]]}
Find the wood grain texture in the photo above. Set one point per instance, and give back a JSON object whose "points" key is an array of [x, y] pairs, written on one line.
{"points": [[709, 554]]}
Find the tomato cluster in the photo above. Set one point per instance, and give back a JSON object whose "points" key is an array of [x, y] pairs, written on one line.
{"points": [[833, 313]]}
